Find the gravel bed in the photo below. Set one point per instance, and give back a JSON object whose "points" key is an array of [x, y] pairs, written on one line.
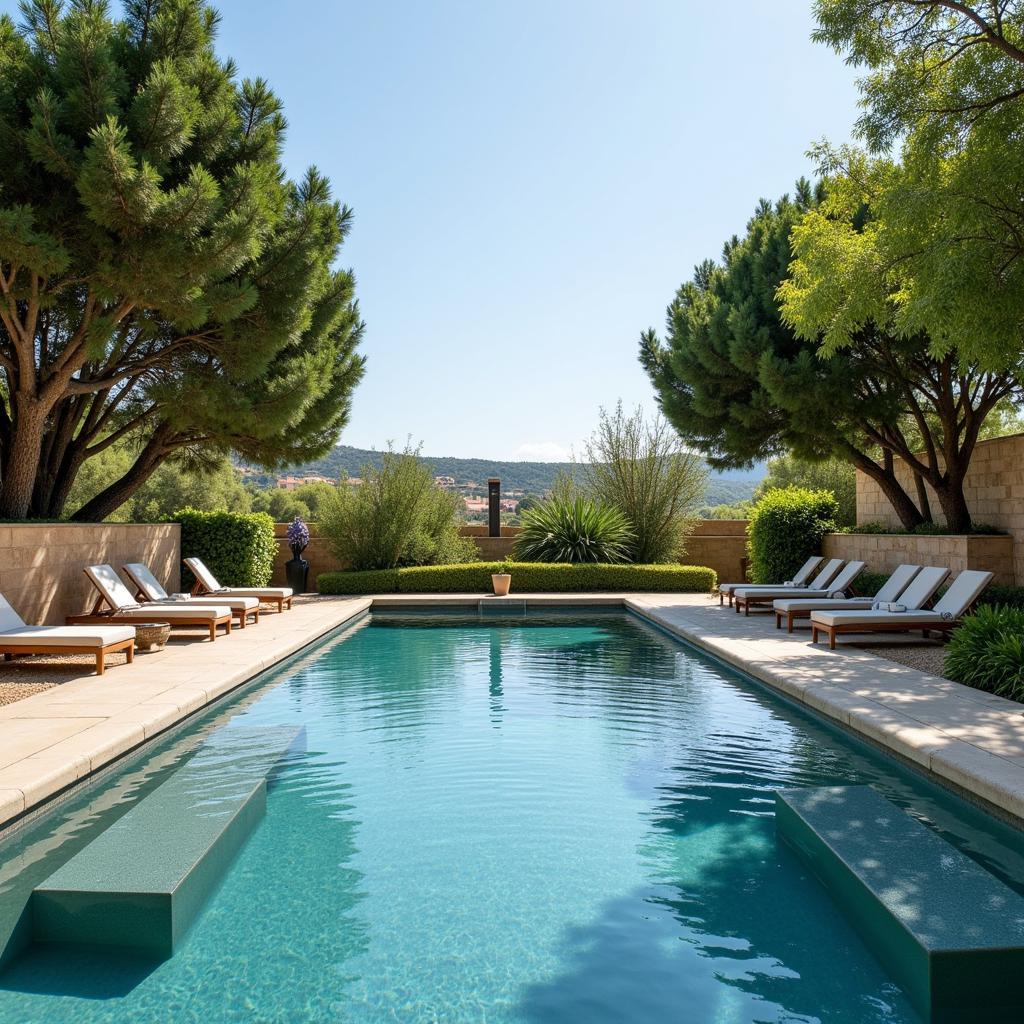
{"points": [[930, 658]]}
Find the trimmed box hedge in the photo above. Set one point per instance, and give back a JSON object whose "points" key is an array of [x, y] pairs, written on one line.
{"points": [[527, 577], [237, 547]]}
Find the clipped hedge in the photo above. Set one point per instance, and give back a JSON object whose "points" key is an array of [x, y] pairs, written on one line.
{"points": [[786, 527], [987, 652], [238, 548], [527, 577]]}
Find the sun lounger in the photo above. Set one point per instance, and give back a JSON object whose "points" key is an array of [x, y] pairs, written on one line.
{"points": [[945, 616], [793, 608], [206, 583], [148, 588], [115, 603], [799, 580], [18, 639], [834, 577]]}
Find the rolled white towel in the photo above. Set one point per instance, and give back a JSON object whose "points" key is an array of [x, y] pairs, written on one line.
{"points": [[837, 595], [947, 616]]}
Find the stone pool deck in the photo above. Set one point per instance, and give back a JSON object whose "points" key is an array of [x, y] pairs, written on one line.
{"points": [[968, 739], [53, 739]]}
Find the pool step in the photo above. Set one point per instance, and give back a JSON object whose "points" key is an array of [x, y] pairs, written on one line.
{"points": [[951, 933], [503, 606], [141, 883]]}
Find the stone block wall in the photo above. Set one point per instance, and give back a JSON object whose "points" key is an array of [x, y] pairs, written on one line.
{"points": [[41, 563], [995, 494], [883, 552]]}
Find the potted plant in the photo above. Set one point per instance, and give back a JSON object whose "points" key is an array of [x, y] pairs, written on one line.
{"points": [[502, 579], [297, 570]]}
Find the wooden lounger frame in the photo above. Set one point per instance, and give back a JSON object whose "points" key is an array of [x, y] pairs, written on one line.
{"points": [[12, 651], [240, 616], [804, 613], [100, 615], [198, 590], [881, 627]]}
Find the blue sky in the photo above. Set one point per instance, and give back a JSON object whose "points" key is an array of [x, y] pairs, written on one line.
{"points": [[531, 182]]}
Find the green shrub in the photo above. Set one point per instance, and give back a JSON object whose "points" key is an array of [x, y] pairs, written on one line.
{"points": [[923, 529], [785, 529], [641, 467], [987, 652], [398, 516], [1002, 596], [527, 577], [237, 547], [869, 583], [573, 530]]}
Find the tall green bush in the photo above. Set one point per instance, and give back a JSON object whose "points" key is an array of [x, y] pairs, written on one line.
{"points": [[573, 530], [641, 467], [398, 516], [987, 652], [237, 547], [786, 527]]}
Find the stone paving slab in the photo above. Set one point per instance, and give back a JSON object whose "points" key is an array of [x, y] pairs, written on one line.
{"points": [[55, 738]]}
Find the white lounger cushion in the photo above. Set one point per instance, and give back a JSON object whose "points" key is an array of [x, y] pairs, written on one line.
{"points": [[901, 578], [821, 584], [209, 581], [14, 632], [889, 591], [963, 592], [810, 604], [870, 617], [141, 576], [66, 636], [120, 599], [801, 577], [170, 612]]}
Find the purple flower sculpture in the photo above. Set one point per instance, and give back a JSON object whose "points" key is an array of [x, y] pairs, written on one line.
{"points": [[298, 536]]}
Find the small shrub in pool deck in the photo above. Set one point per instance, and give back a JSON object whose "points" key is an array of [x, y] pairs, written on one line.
{"points": [[238, 548], [987, 652], [786, 528], [527, 577], [869, 583]]}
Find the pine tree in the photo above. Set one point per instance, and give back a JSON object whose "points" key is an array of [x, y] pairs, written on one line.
{"points": [[162, 282]]}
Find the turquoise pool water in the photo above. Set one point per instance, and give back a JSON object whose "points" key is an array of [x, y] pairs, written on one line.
{"points": [[545, 819]]}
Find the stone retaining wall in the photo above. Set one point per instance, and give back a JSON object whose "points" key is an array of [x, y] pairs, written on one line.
{"points": [[994, 489], [883, 552], [41, 563]]}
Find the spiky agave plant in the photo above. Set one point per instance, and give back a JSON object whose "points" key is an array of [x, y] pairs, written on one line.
{"points": [[565, 529]]}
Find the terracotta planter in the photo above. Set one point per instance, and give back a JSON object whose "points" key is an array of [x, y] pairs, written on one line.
{"points": [[501, 581]]}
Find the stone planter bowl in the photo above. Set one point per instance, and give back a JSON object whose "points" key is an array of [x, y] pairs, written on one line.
{"points": [[151, 635]]}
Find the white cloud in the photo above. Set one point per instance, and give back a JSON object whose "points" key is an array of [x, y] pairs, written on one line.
{"points": [[542, 451]]}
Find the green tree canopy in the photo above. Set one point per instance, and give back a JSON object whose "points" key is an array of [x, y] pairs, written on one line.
{"points": [[162, 282], [944, 79], [835, 476], [740, 385]]}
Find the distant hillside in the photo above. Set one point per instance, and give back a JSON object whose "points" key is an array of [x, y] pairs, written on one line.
{"points": [[529, 477]]}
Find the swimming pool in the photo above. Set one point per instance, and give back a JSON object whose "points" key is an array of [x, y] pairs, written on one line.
{"points": [[549, 818]]}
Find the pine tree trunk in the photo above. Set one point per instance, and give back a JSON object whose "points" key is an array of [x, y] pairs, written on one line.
{"points": [[23, 458], [954, 508], [922, 497], [111, 498], [888, 482]]}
